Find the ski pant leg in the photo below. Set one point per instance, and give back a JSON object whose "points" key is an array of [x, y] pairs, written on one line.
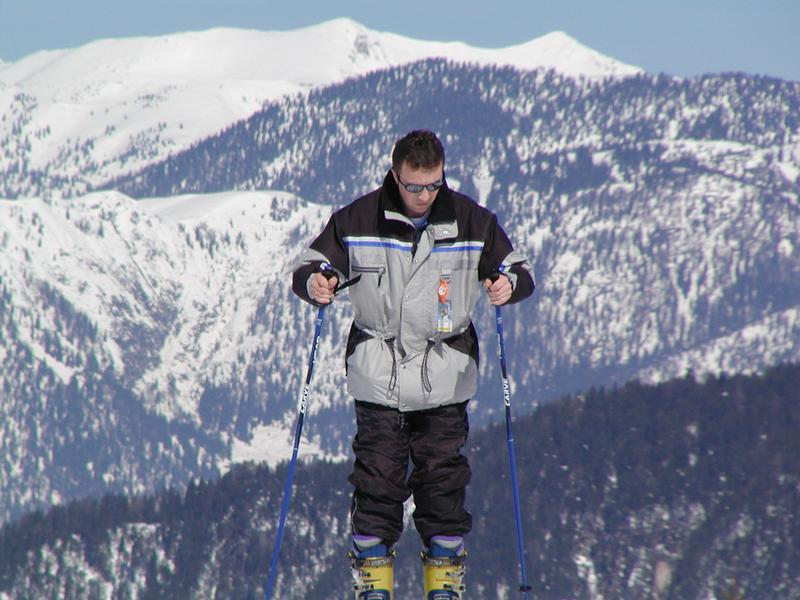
{"points": [[441, 473], [381, 448]]}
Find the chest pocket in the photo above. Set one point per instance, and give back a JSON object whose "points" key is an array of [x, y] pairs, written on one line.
{"points": [[368, 296], [378, 270], [455, 258]]}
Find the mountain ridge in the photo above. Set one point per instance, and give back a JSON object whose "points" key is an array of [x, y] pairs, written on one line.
{"points": [[80, 116]]}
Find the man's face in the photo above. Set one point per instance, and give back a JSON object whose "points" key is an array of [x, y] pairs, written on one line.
{"points": [[417, 203]]}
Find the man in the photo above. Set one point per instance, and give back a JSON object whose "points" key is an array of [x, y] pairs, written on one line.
{"points": [[416, 255]]}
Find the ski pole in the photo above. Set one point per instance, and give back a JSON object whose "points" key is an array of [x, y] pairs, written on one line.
{"points": [[501, 347], [287, 489]]}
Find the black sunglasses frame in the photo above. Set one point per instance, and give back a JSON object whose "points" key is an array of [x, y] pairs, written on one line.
{"points": [[416, 188]]}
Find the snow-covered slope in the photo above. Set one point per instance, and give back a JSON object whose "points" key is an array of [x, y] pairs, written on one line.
{"points": [[121, 319], [82, 116]]}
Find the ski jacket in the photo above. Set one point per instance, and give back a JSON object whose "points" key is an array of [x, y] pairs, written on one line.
{"points": [[412, 345]]}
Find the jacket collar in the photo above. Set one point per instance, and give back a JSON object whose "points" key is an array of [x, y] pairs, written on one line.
{"points": [[391, 205]]}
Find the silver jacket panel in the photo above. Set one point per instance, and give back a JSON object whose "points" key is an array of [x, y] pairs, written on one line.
{"points": [[401, 353]]}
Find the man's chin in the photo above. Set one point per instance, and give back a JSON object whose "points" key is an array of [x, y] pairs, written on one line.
{"points": [[419, 211]]}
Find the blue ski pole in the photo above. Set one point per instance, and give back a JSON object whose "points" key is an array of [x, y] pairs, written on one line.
{"points": [[501, 347], [298, 432]]}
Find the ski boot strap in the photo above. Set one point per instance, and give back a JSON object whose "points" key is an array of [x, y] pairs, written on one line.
{"points": [[373, 577], [444, 577]]}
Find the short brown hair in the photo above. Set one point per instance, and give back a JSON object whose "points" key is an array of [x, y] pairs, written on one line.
{"points": [[420, 148]]}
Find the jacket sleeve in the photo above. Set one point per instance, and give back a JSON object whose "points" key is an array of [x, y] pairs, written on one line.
{"points": [[499, 256], [328, 248]]}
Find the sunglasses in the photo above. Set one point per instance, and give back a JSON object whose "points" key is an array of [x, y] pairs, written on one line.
{"points": [[416, 188]]}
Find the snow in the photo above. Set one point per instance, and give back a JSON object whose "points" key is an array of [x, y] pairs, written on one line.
{"points": [[566, 266], [217, 297], [785, 247], [130, 102], [743, 351], [790, 171], [207, 258], [119, 259], [272, 444], [586, 571], [197, 208]]}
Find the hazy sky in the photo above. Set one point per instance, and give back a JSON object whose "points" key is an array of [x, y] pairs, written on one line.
{"points": [[681, 37]]}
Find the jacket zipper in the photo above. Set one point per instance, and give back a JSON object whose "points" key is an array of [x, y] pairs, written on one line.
{"points": [[379, 270]]}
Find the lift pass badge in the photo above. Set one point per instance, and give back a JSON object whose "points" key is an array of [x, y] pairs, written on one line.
{"points": [[444, 319]]}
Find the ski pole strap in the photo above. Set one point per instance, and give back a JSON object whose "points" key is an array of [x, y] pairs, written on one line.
{"points": [[347, 284]]}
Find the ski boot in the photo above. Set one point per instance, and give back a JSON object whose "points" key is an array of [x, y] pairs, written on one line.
{"points": [[373, 577], [443, 567]]}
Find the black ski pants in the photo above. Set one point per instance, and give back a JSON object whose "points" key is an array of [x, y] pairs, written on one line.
{"points": [[388, 444]]}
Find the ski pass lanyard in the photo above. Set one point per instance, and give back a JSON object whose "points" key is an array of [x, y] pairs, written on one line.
{"points": [[444, 289], [444, 318]]}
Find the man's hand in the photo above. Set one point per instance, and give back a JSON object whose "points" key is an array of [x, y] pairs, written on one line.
{"points": [[499, 290], [321, 288]]}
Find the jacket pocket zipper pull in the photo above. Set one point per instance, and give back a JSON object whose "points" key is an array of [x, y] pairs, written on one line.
{"points": [[378, 270]]}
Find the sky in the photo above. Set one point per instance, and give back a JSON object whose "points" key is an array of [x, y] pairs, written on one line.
{"points": [[679, 37]]}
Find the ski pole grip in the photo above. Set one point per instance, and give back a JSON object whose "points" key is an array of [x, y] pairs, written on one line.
{"points": [[327, 271], [495, 276], [330, 274]]}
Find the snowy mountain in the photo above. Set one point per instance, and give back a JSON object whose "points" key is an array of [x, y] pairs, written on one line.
{"points": [[75, 118], [120, 319], [149, 341]]}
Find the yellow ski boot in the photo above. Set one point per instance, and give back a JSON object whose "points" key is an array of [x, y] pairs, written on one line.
{"points": [[443, 567], [373, 576]]}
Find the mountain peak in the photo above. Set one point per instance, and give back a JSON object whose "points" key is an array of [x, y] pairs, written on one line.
{"points": [[133, 101], [560, 51], [336, 25]]}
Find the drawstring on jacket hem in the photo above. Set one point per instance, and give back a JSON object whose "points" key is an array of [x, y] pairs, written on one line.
{"points": [[426, 382], [393, 376]]}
